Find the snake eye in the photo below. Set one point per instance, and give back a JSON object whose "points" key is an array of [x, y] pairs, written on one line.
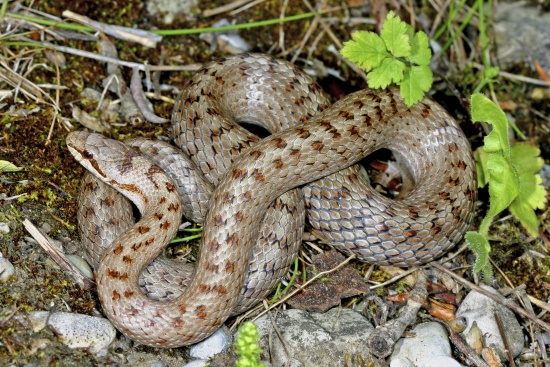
{"points": [[87, 154]]}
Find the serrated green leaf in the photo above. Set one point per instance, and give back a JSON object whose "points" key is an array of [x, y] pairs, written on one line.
{"points": [[503, 184], [479, 244], [394, 34], [532, 194], [523, 212], [525, 158], [421, 53], [416, 81], [389, 70], [6, 166], [366, 49], [485, 110]]}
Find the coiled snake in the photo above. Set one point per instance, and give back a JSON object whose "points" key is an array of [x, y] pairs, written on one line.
{"points": [[249, 175]]}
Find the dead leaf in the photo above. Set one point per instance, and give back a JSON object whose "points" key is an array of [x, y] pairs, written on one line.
{"points": [[326, 293]]}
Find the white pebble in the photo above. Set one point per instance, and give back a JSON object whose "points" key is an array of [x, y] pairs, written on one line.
{"points": [[209, 347], [6, 269], [81, 265], [197, 363], [4, 228]]}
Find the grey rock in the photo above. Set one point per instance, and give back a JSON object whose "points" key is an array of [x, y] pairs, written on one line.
{"points": [[481, 309], [315, 339], [6, 269], [216, 343], [522, 35], [77, 330]]}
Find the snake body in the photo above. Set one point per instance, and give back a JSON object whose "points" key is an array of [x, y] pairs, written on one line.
{"points": [[417, 228]]}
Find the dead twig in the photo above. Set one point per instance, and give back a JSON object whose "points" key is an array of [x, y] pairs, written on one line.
{"points": [[129, 64], [141, 100], [383, 338], [222, 9]]}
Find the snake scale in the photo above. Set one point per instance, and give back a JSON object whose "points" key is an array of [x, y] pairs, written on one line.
{"points": [[312, 147]]}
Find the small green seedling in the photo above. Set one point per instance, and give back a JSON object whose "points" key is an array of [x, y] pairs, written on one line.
{"points": [[247, 347], [398, 55]]}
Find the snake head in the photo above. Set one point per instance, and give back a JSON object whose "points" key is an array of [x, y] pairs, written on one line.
{"points": [[100, 155]]}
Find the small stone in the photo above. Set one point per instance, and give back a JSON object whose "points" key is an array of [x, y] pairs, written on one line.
{"points": [[216, 343], [481, 309], [46, 227], [157, 364], [441, 361], [401, 362], [197, 363], [167, 10], [38, 320], [6, 269], [81, 265], [430, 341], [83, 331], [4, 228]]}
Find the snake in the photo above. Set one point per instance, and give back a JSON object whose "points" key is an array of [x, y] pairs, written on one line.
{"points": [[313, 157]]}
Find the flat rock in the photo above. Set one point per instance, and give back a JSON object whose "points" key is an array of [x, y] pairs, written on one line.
{"points": [[522, 35], [315, 339], [77, 330]]}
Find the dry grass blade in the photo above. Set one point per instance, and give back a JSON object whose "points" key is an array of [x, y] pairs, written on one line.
{"points": [[59, 258], [140, 36], [19, 82]]}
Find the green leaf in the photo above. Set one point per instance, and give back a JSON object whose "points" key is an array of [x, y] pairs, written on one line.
{"points": [[492, 72], [416, 81], [532, 195], [366, 49], [525, 158], [394, 34], [503, 184], [485, 110], [481, 156], [420, 49], [383, 75], [522, 209], [6, 166], [479, 244]]}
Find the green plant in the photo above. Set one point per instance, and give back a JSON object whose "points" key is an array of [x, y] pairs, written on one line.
{"points": [[510, 172], [247, 347], [398, 55]]}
